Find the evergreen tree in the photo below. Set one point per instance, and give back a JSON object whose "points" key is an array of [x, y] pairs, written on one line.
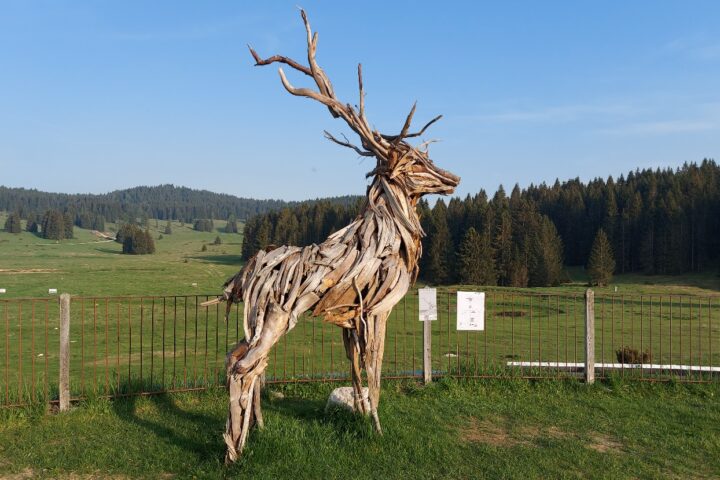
{"points": [[204, 225], [476, 259], [218, 240], [137, 241], [601, 264], [504, 248], [440, 247], [168, 228], [547, 251], [12, 224], [231, 226], [53, 225], [32, 224], [68, 225]]}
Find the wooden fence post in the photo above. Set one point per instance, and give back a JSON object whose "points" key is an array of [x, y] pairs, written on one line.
{"points": [[64, 384], [589, 336], [427, 352]]}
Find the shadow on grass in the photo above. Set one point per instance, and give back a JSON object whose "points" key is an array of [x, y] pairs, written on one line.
{"points": [[173, 424], [108, 250], [220, 259], [341, 420]]}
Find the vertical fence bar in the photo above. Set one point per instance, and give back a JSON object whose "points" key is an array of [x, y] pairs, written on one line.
{"points": [[64, 380], [622, 332], [152, 344], [650, 324], [567, 324], [670, 335], [557, 336], [602, 334], [7, 356], [163, 342], [82, 347], [129, 385], [690, 342], [46, 351], [589, 336], [642, 372], [32, 350], [20, 362], [107, 347], [117, 343], [660, 328], [95, 359], [680, 331], [574, 317]]}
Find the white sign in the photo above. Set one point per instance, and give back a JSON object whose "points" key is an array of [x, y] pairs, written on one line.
{"points": [[471, 310], [52, 291], [428, 304], [2, 290]]}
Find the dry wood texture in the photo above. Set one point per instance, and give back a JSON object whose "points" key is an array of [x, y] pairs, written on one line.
{"points": [[353, 279]]}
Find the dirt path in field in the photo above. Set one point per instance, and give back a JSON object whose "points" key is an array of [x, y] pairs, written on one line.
{"points": [[496, 431], [78, 243], [27, 270]]}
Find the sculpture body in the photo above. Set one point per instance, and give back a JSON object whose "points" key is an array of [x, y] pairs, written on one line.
{"points": [[353, 279]]}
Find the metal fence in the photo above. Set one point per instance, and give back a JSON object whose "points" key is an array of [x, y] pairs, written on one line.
{"points": [[143, 345]]}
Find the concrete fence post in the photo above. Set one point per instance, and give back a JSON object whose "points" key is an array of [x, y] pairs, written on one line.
{"points": [[64, 385], [589, 336], [427, 351]]}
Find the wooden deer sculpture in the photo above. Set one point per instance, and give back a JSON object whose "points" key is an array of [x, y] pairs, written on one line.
{"points": [[353, 279]]}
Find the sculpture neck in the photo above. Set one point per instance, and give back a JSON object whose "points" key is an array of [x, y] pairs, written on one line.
{"points": [[388, 200]]}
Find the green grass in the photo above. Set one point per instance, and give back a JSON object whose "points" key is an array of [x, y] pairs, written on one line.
{"points": [[87, 265], [451, 429]]}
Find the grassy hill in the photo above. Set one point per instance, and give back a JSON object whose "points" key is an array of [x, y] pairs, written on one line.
{"points": [[89, 265]]}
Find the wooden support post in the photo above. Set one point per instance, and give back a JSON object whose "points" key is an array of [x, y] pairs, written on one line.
{"points": [[64, 352], [589, 336], [427, 351]]}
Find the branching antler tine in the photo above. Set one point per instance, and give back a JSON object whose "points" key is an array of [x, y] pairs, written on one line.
{"points": [[306, 92], [417, 134], [362, 93], [347, 144], [280, 59], [392, 138], [406, 127], [312, 38]]}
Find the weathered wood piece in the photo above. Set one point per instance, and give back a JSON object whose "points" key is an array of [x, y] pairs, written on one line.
{"points": [[64, 384], [589, 336], [353, 279]]}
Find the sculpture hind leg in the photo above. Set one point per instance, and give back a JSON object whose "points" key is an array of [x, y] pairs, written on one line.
{"points": [[374, 350], [353, 350], [245, 367]]}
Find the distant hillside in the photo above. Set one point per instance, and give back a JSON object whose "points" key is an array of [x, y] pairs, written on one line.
{"points": [[162, 201]]}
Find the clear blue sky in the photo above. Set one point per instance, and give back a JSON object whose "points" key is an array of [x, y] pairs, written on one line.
{"points": [[97, 96]]}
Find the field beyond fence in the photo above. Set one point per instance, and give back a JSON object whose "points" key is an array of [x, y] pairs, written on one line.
{"points": [[122, 346]]}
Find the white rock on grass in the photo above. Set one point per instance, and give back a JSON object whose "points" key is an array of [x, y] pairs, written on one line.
{"points": [[343, 398]]}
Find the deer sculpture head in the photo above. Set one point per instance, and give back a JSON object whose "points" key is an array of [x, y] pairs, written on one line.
{"points": [[407, 167]]}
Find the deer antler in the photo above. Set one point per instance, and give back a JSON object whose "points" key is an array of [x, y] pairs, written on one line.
{"points": [[373, 143]]}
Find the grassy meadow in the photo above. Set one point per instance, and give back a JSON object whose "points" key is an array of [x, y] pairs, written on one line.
{"points": [[511, 429]]}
